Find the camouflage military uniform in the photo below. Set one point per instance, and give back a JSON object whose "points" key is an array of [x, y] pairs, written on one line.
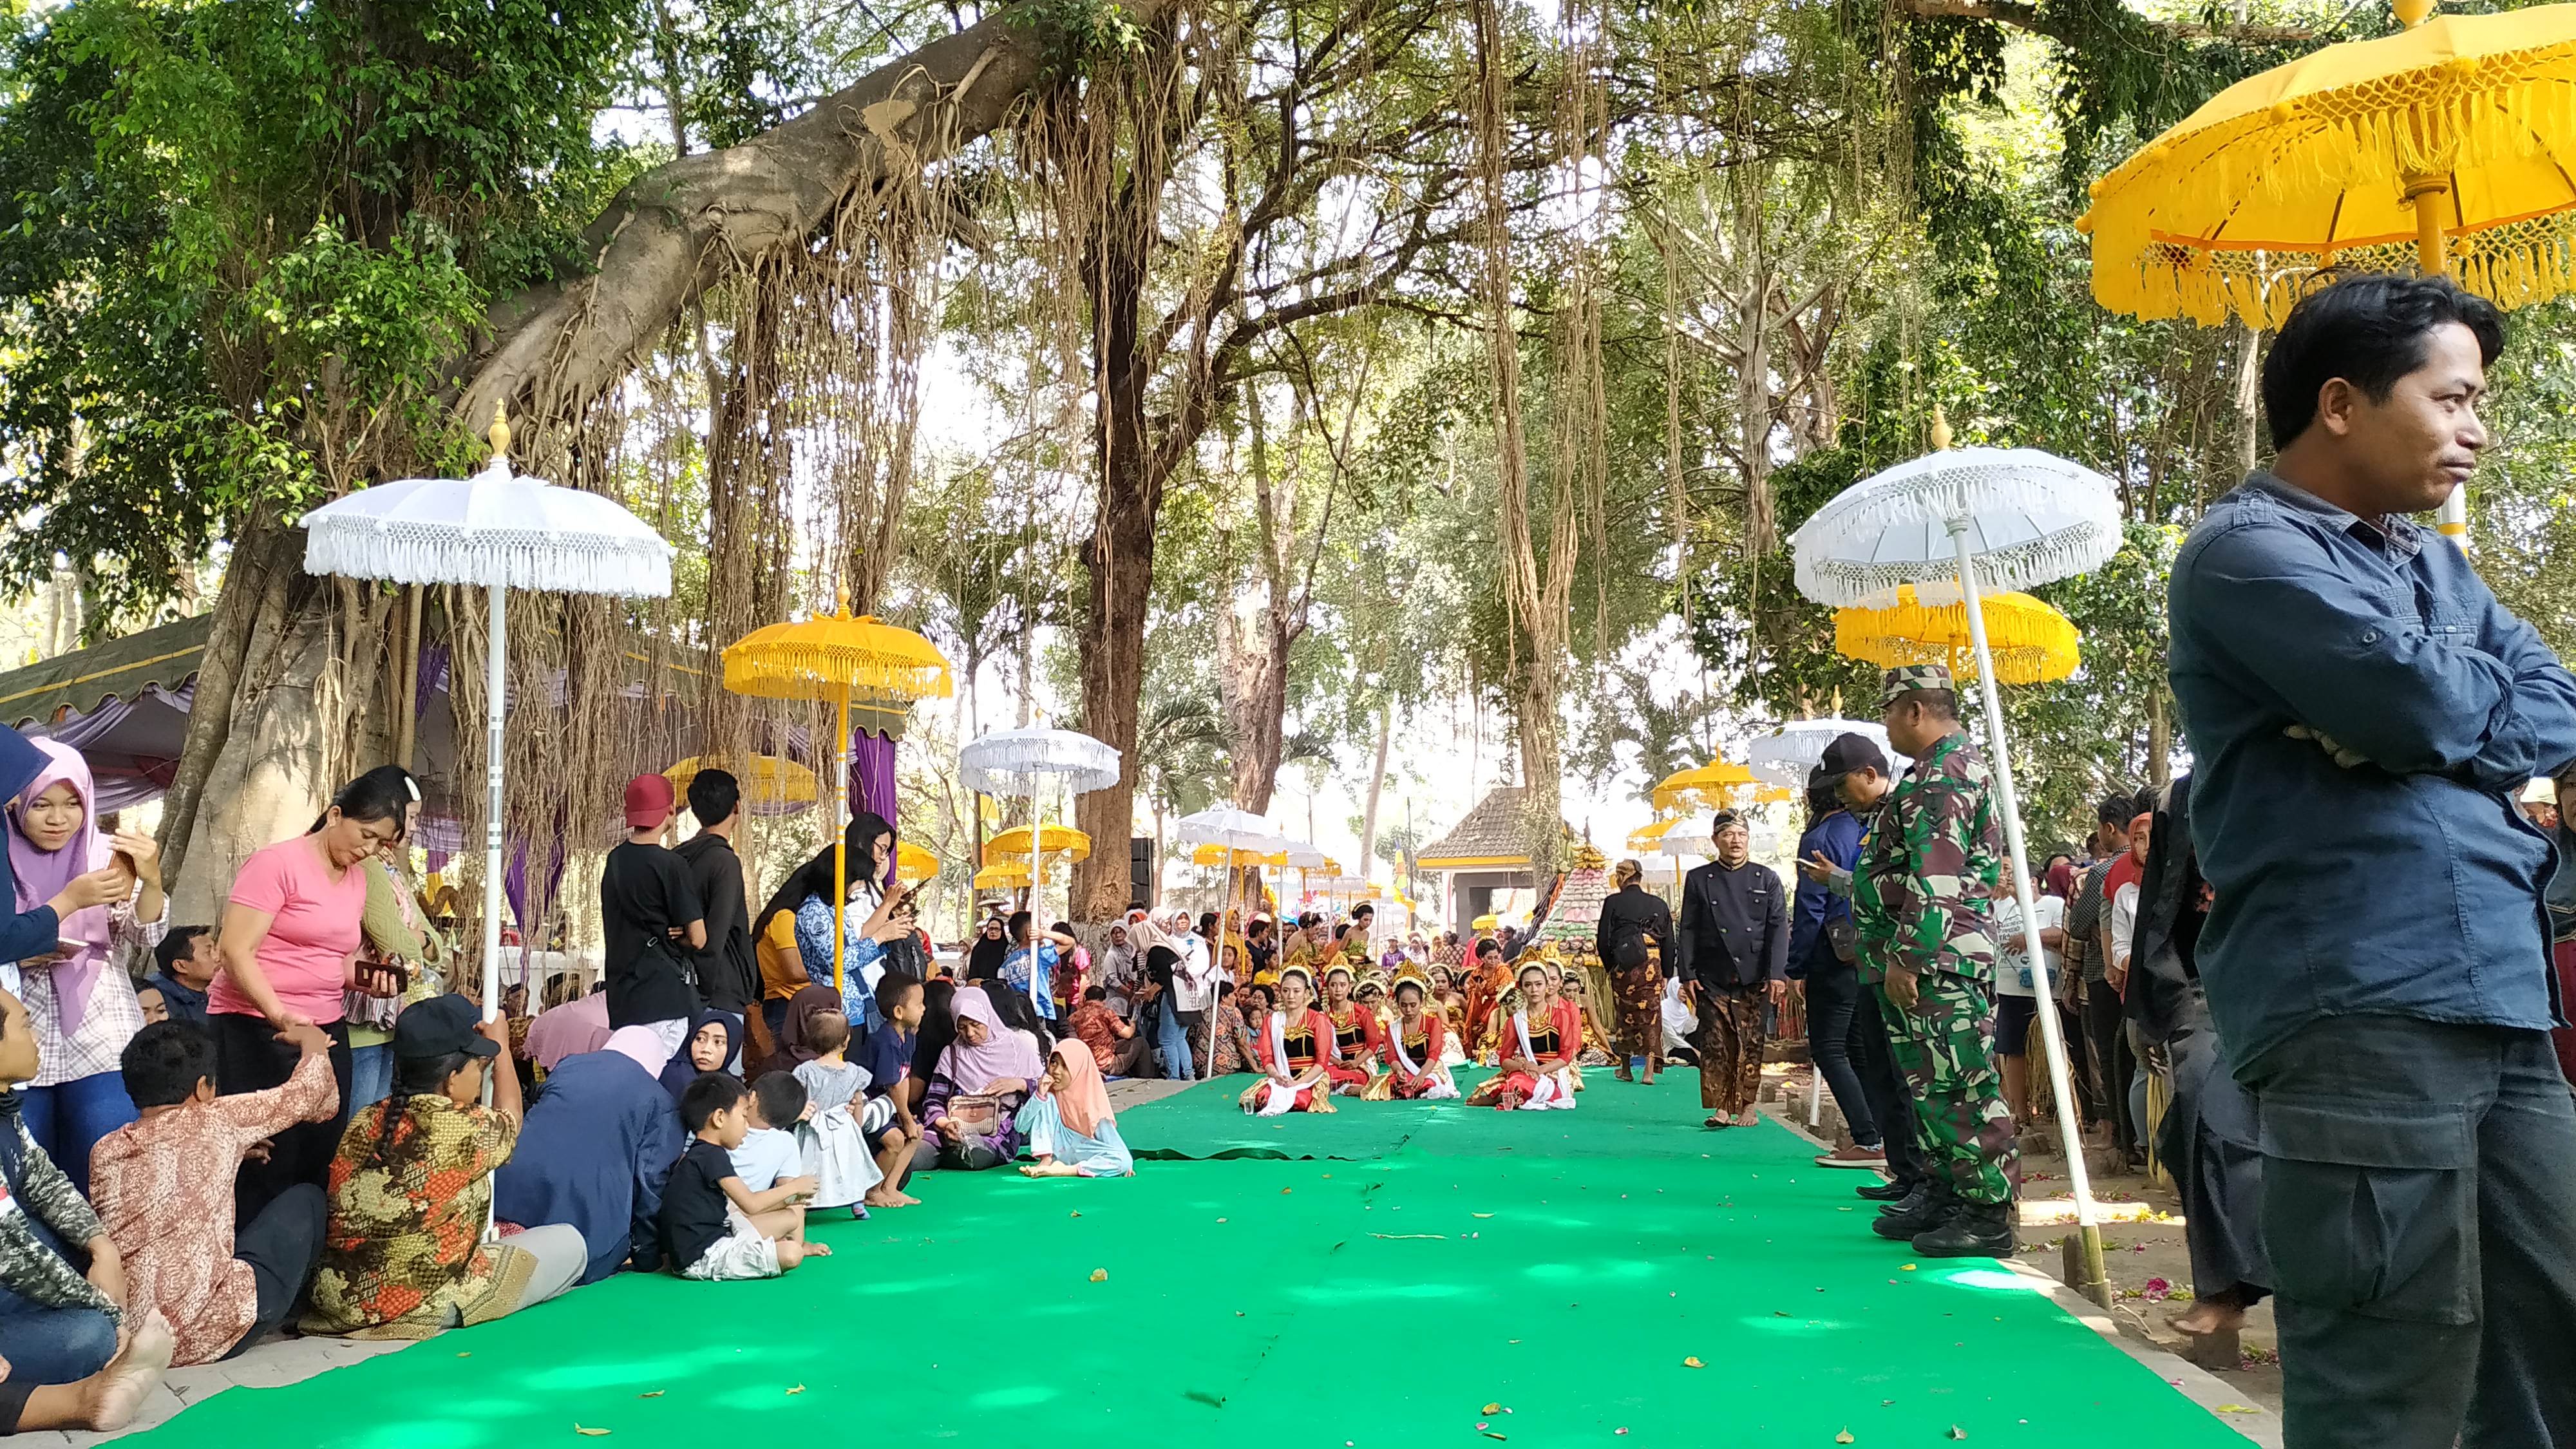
{"points": [[1919, 897]]}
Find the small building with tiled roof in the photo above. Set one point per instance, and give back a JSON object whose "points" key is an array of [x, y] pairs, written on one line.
{"points": [[1484, 855]]}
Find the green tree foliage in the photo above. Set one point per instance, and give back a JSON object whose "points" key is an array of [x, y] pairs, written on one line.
{"points": [[238, 241]]}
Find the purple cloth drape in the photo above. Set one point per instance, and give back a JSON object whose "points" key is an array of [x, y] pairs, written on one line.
{"points": [[872, 773]]}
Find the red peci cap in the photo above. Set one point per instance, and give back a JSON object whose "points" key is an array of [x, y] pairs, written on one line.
{"points": [[649, 801]]}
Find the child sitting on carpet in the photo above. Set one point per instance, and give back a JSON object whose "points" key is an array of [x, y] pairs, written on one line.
{"points": [[714, 1229], [831, 1137], [1067, 1121], [893, 1129], [771, 1151], [163, 1187]]}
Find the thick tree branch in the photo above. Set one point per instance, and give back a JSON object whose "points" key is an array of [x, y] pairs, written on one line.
{"points": [[689, 223]]}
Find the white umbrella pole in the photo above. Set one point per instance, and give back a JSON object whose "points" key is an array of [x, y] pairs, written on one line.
{"points": [[1037, 884], [495, 702], [2097, 1275]]}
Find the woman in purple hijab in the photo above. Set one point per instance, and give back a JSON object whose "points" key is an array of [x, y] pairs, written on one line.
{"points": [[104, 894]]}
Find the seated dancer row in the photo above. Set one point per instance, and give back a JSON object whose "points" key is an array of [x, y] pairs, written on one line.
{"points": [[1307, 1056], [1539, 1043]]}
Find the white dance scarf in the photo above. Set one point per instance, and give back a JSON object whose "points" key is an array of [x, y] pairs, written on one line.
{"points": [[1553, 1089], [1279, 1099]]}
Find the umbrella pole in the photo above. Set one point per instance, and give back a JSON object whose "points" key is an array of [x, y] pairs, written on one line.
{"points": [[841, 845], [1037, 884], [2428, 194], [2097, 1280], [495, 702]]}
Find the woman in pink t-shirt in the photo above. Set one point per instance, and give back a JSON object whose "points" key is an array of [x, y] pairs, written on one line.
{"points": [[290, 943]]}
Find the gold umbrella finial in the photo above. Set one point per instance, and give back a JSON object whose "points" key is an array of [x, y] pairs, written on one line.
{"points": [[500, 432], [1940, 430], [2411, 13]]}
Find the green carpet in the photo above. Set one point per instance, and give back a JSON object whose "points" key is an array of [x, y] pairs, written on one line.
{"points": [[1487, 1258]]}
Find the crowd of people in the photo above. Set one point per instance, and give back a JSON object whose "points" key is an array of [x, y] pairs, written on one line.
{"points": [[304, 1118], [2333, 943]]}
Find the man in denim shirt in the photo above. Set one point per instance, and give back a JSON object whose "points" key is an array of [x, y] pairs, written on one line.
{"points": [[2362, 712]]}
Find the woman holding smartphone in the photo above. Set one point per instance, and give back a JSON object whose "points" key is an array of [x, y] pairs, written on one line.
{"points": [[105, 896], [874, 919]]}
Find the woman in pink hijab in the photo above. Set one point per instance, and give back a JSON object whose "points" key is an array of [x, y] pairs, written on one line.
{"points": [[79, 1000]]}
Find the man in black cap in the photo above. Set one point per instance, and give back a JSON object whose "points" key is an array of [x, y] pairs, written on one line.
{"points": [[1856, 773], [1732, 935]]}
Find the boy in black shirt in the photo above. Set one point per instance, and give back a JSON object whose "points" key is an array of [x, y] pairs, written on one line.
{"points": [[649, 912], [728, 976], [714, 1229]]}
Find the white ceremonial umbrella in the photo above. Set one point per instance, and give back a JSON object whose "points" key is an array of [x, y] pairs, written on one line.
{"points": [[494, 531], [1302, 857], [1008, 762], [1985, 518], [1786, 755], [1231, 830]]}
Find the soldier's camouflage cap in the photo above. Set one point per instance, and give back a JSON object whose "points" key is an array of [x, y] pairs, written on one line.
{"points": [[1907, 678]]}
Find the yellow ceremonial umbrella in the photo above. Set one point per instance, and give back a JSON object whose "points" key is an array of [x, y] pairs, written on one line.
{"points": [[1057, 839], [1647, 837], [912, 863], [2451, 144], [1219, 855], [832, 658], [766, 779], [2031, 642], [1708, 786], [1002, 878]]}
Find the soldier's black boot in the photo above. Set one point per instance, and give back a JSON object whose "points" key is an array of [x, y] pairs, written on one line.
{"points": [[1884, 1191], [1975, 1230], [1917, 1214]]}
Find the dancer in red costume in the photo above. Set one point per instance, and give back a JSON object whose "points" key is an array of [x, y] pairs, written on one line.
{"points": [[1296, 1045], [1537, 1044]]}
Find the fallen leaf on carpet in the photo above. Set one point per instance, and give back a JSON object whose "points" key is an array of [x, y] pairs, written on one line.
{"points": [[1619, 1431], [1779, 1313], [1958, 1433], [1845, 1437], [657, 1393], [1908, 1268], [1099, 1275], [800, 1388], [593, 1433], [1283, 1192], [1693, 1363], [1077, 1214], [1214, 1401], [1490, 1434], [1491, 1409], [1481, 1215]]}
